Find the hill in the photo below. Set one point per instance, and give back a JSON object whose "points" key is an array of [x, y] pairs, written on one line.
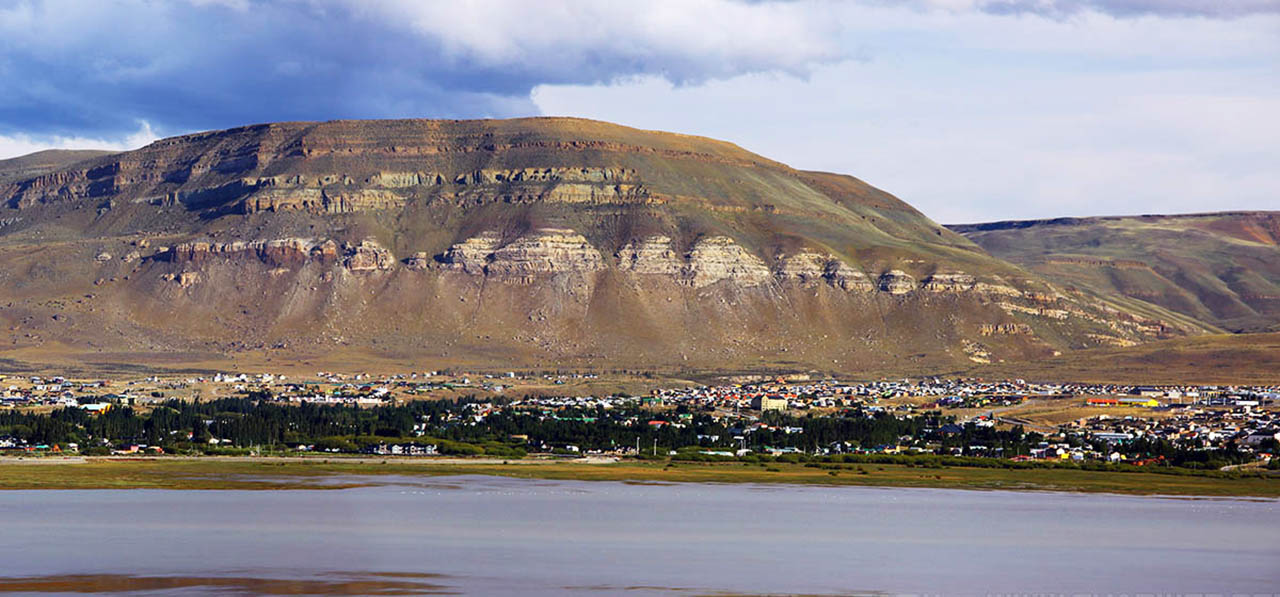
{"points": [[37, 163], [1222, 269], [539, 243], [1211, 359]]}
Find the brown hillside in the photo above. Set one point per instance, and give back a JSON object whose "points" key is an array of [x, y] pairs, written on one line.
{"points": [[37, 163], [1222, 269], [532, 242]]}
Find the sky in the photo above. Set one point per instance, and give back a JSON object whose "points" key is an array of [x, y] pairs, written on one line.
{"points": [[970, 110]]}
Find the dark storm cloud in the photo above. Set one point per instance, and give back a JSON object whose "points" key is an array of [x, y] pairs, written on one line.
{"points": [[101, 68], [190, 67]]}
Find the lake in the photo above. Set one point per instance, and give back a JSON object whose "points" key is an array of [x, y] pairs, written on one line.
{"points": [[500, 536]]}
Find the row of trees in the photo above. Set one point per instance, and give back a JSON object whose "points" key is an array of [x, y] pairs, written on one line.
{"points": [[255, 420]]}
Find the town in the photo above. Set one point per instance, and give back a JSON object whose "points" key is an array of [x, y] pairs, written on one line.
{"points": [[511, 415]]}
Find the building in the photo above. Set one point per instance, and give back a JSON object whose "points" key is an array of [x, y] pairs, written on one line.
{"points": [[765, 403]]}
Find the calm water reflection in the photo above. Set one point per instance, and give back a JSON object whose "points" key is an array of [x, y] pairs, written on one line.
{"points": [[495, 536]]}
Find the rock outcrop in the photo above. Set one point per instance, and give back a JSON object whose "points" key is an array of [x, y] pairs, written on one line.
{"points": [[1006, 329], [808, 268], [321, 201], [998, 287], [545, 251], [896, 281], [652, 255], [843, 275], [184, 279], [805, 267], [282, 252], [368, 256], [719, 258], [949, 282], [420, 261], [472, 255]]}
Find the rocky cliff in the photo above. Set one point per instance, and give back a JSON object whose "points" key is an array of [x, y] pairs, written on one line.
{"points": [[40, 162], [533, 242]]}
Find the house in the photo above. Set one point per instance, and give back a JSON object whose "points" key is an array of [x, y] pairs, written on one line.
{"points": [[765, 403], [1112, 438], [1257, 437], [403, 450]]}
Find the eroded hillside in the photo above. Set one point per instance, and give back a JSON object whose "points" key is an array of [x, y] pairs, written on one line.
{"points": [[530, 242], [1222, 269]]}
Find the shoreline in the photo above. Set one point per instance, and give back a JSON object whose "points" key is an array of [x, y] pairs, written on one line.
{"points": [[318, 472]]}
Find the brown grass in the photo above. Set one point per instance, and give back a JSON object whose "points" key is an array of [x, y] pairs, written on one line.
{"points": [[268, 473]]}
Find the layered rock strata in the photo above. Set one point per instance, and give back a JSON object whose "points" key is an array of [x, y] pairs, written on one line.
{"points": [[546, 251], [808, 267], [896, 281], [330, 193], [651, 255], [472, 255], [367, 255], [719, 258]]}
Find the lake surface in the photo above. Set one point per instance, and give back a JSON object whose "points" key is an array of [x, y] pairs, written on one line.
{"points": [[498, 536]]}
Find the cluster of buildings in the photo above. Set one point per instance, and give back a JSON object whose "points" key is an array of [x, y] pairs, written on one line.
{"points": [[1193, 426], [1193, 417]]}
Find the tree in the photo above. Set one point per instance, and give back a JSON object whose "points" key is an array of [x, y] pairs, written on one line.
{"points": [[200, 433]]}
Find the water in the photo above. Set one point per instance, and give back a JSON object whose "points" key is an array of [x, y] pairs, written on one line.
{"points": [[497, 536]]}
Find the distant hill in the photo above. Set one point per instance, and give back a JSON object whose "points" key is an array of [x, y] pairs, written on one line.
{"points": [[34, 164], [1212, 359], [542, 242], [1222, 269]]}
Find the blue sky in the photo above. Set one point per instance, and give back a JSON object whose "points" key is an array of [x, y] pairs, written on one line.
{"points": [[970, 110]]}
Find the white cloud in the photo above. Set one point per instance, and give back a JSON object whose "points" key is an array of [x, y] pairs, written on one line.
{"points": [[236, 5], [978, 117], [18, 145], [970, 109], [680, 39], [1218, 9]]}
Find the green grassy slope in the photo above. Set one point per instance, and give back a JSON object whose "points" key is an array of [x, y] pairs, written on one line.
{"points": [[1220, 269]]}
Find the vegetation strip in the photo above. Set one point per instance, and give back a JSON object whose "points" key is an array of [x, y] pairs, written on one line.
{"points": [[339, 473]]}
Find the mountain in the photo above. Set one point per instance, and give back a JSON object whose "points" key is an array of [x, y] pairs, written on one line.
{"points": [[40, 162], [1222, 269], [533, 243]]}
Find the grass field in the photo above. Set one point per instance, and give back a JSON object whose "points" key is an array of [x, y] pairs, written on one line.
{"points": [[295, 473]]}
